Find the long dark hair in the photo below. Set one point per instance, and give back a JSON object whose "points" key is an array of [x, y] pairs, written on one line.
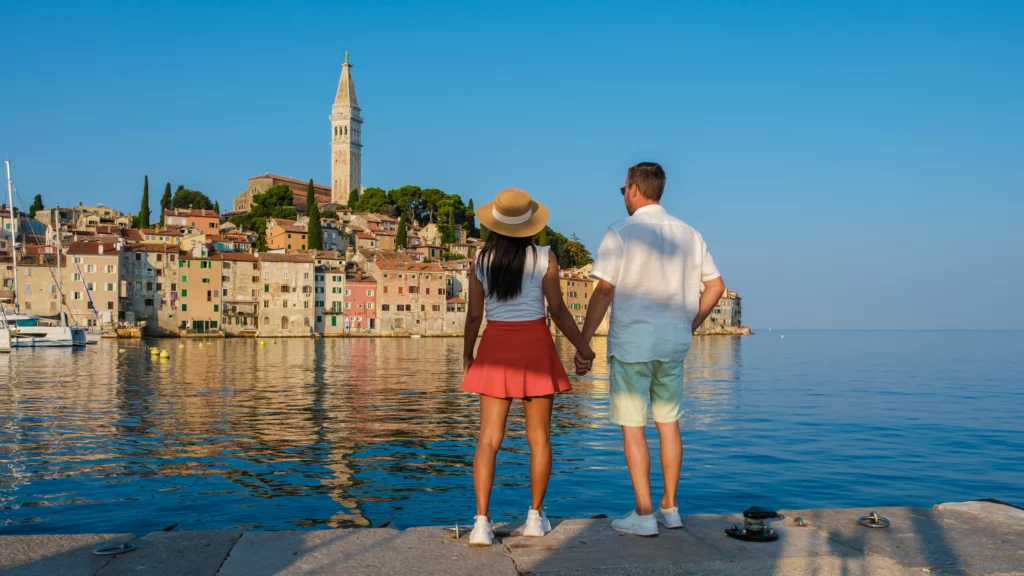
{"points": [[502, 262]]}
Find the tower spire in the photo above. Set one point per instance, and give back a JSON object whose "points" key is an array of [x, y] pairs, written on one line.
{"points": [[346, 138]]}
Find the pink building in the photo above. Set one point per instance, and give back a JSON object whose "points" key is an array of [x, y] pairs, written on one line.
{"points": [[360, 303]]}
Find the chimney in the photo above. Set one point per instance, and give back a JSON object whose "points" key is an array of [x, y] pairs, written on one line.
{"points": [[101, 248]]}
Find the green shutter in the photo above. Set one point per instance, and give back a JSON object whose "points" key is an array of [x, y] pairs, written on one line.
{"points": [[184, 293], [216, 308], [184, 307], [334, 320]]}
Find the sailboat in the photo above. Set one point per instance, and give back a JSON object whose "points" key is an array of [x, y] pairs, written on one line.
{"points": [[25, 330]]}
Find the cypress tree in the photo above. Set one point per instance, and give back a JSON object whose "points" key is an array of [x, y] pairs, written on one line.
{"points": [[165, 202], [451, 216], [144, 209], [353, 198], [471, 214], [543, 239], [402, 236], [310, 198], [37, 205], [315, 234], [216, 207], [484, 232]]}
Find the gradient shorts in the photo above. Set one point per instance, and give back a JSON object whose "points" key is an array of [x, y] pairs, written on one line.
{"points": [[633, 384]]}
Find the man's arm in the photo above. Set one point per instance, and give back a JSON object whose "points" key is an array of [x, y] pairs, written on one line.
{"points": [[713, 290], [597, 308]]}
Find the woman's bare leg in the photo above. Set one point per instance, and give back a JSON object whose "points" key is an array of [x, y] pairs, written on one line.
{"points": [[493, 413], [538, 434]]}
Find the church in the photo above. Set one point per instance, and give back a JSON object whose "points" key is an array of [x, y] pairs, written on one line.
{"points": [[346, 154]]}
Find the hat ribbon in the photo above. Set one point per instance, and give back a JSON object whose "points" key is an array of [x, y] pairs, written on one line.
{"points": [[512, 219]]}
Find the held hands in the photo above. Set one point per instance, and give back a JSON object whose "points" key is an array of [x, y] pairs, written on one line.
{"points": [[584, 361]]}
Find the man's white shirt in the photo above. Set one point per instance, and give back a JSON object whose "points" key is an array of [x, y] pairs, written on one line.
{"points": [[657, 264]]}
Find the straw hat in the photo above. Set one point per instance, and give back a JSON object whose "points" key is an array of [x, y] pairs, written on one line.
{"points": [[513, 213]]}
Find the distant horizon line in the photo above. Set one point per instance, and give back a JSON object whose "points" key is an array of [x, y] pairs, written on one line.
{"points": [[887, 329]]}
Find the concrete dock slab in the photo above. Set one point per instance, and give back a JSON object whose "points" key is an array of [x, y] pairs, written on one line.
{"points": [[592, 544], [945, 541], [44, 555], [420, 551], [199, 553]]}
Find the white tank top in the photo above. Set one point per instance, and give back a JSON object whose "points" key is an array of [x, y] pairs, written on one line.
{"points": [[529, 304]]}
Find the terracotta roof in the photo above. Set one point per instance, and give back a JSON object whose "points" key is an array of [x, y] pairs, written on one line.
{"points": [[292, 180], [407, 266], [160, 232], [383, 233], [191, 212], [238, 257], [365, 236], [165, 248], [456, 301], [353, 279], [93, 248], [133, 235], [271, 257]]}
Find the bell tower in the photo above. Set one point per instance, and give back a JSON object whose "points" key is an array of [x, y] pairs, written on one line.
{"points": [[346, 138]]}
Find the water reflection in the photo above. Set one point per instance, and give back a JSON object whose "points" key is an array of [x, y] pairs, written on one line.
{"points": [[338, 433]]}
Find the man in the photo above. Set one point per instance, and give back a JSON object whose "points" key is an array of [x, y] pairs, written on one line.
{"points": [[651, 268]]}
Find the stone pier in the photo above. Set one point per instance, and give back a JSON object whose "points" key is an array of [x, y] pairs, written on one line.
{"points": [[960, 539]]}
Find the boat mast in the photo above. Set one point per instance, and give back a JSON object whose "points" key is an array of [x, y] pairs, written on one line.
{"points": [[14, 235], [60, 279]]}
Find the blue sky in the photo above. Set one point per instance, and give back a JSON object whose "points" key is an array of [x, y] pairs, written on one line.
{"points": [[851, 165]]}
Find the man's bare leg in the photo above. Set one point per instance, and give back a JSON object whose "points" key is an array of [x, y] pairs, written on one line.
{"points": [[671, 460], [638, 458]]}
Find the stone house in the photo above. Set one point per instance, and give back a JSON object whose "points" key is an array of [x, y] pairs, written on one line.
{"points": [[727, 313], [360, 303], [199, 300], [240, 293], [38, 290], [150, 276], [285, 235], [206, 221], [287, 295], [260, 184], [92, 282], [330, 312], [411, 297]]}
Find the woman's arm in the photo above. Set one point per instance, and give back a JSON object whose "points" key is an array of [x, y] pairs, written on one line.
{"points": [[560, 314], [474, 317]]}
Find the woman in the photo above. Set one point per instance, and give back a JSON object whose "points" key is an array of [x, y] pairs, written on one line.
{"points": [[517, 356]]}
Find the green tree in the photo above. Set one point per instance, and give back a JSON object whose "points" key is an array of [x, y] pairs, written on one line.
{"points": [[274, 202], [432, 198], [185, 198], [315, 233], [165, 202], [407, 200], [542, 239], [310, 198], [37, 205], [216, 207], [259, 225], [402, 236], [371, 200], [451, 217], [353, 200], [471, 219], [484, 232], [143, 217], [447, 234], [448, 204], [330, 214]]}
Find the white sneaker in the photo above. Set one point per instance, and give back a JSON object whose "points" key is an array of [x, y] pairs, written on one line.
{"points": [[483, 532], [634, 523], [668, 517], [537, 524]]}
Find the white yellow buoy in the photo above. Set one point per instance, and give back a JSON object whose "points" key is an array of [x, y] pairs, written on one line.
{"points": [[120, 350], [182, 345], [262, 343], [164, 353]]}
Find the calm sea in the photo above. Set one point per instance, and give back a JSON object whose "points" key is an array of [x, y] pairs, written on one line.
{"points": [[333, 433]]}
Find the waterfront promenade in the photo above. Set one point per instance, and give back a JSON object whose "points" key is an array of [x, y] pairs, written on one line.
{"points": [[960, 539]]}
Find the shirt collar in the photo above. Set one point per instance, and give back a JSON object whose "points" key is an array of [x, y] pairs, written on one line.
{"points": [[649, 208]]}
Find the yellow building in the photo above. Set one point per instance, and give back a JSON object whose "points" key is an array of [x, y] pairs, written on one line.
{"points": [[199, 299]]}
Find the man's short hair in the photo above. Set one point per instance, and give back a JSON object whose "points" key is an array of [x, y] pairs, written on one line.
{"points": [[649, 177]]}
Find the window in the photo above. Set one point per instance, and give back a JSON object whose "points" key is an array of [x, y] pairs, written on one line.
{"points": [[385, 289], [76, 277], [369, 305], [255, 279], [266, 287], [334, 320], [266, 304], [266, 273], [149, 286], [369, 292], [413, 276], [148, 302], [174, 287], [184, 307], [399, 289], [110, 286], [90, 286], [400, 276], [437, 308], [206, 280], [172, 257], [428, 291], [306, 304], [289, 237], [423, 307], [216, 308], [385, 275], [184, 278], [159, 258], [285, 275], [348, 292], [209, 296], [184, 292], [306, 276], [28, 287]]}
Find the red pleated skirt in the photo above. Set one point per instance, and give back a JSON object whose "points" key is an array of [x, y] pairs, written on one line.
{"points": [[516, 360]]}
